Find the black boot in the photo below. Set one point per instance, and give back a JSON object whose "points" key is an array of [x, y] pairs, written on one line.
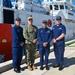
{"points": [[21, 69], [57, 65], [61, 67], [47, 67], [16, 70], [41, 67]]}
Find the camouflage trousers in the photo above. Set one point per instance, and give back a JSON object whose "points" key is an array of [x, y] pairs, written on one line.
{"points": [[30, 53]]}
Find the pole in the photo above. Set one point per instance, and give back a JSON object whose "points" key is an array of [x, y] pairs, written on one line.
{"points": [[70, 1]]}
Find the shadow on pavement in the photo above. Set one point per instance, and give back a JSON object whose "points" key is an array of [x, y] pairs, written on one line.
{"points": [[67, 62]]}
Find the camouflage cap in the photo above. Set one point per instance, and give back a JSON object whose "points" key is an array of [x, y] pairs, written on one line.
{"points": [[30, 17]]}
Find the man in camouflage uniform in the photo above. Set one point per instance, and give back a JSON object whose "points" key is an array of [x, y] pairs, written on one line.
{"points": [[30, 34]]}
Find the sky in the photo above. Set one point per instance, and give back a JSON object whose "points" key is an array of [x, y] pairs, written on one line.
{"points": [[51, 0]]}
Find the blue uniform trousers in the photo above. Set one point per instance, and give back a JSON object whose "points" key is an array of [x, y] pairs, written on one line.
{"points": [[44, 51], [59, 54], [17, 56]]}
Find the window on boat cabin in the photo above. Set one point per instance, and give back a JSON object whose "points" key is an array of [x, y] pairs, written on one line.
{"points": [[8, 16], [56, 7], [66, 7], [61, 6], [51, 7]]}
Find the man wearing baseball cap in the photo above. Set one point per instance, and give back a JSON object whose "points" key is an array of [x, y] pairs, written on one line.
{"points": [[30, 34], [17, 45], [59, 32], [44, 38]]}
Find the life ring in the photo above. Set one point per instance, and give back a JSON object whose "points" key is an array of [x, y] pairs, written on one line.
{"points": [[49, 23]]}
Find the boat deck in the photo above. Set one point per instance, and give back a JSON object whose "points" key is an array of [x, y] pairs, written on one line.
{"points": [[69, 65]]}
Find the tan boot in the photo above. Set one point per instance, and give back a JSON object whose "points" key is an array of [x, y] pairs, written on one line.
{"points": [[34, 67], [30, 68]]}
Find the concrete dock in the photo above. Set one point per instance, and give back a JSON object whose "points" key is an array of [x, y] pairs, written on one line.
{"points": [[69, 65]]}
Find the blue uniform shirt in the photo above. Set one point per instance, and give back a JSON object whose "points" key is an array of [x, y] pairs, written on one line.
{"points": [[44, 35], [17, 36], [57, 31]]}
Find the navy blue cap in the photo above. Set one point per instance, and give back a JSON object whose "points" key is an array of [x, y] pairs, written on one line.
{"points": [[18, 19], [44, 21], [58, 17]]}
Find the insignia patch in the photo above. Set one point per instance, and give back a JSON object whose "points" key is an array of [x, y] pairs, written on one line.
{"points": [[60, 28], [41, 31], [48, 31]]}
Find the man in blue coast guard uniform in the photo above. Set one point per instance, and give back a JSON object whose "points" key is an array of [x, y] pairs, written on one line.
{"points": [[59, 32], [17, 45], [44, 38]]}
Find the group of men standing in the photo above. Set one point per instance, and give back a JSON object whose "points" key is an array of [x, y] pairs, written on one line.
{"points": [[30, 35]]}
